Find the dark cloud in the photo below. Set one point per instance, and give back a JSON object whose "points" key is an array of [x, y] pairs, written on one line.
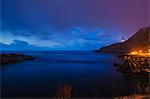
{"points": [[32, 14], [20, 45], [66, 20]]}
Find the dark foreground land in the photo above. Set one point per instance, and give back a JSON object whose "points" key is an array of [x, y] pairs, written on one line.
{"points": [[133, 64], [13, 58]]}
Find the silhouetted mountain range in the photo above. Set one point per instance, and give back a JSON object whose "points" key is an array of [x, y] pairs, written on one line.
{"points": [[139, 41]]}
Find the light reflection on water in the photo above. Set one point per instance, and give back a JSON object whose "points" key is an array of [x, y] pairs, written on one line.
{"points": [[90, 75]]}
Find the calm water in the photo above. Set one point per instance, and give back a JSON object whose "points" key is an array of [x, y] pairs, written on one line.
{"points": [[90, 74]]}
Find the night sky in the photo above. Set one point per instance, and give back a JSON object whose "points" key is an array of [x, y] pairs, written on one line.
{"points": [[70, 24]]}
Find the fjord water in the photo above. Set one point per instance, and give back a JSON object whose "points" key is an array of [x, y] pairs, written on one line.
{"points": [[90, 74]]}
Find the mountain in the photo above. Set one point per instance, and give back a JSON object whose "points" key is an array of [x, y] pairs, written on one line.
{"points": [[139, 41]]}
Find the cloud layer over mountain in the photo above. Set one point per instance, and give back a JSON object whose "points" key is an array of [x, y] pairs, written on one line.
{"points": [[71, 24]]}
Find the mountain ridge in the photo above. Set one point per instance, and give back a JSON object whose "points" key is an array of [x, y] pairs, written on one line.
{"points": [[139, 41]]}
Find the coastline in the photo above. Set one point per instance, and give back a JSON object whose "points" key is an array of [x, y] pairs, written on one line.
{"points": [[14, 58]]}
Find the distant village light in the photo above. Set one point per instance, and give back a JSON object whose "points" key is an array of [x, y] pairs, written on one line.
{"points": [[140, 53]]}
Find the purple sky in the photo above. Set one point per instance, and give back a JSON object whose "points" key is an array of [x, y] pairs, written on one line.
{"points": [[71, 24]]}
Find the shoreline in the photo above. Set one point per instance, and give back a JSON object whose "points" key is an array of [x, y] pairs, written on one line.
{"points": [[14, 58], [132, 64]]}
